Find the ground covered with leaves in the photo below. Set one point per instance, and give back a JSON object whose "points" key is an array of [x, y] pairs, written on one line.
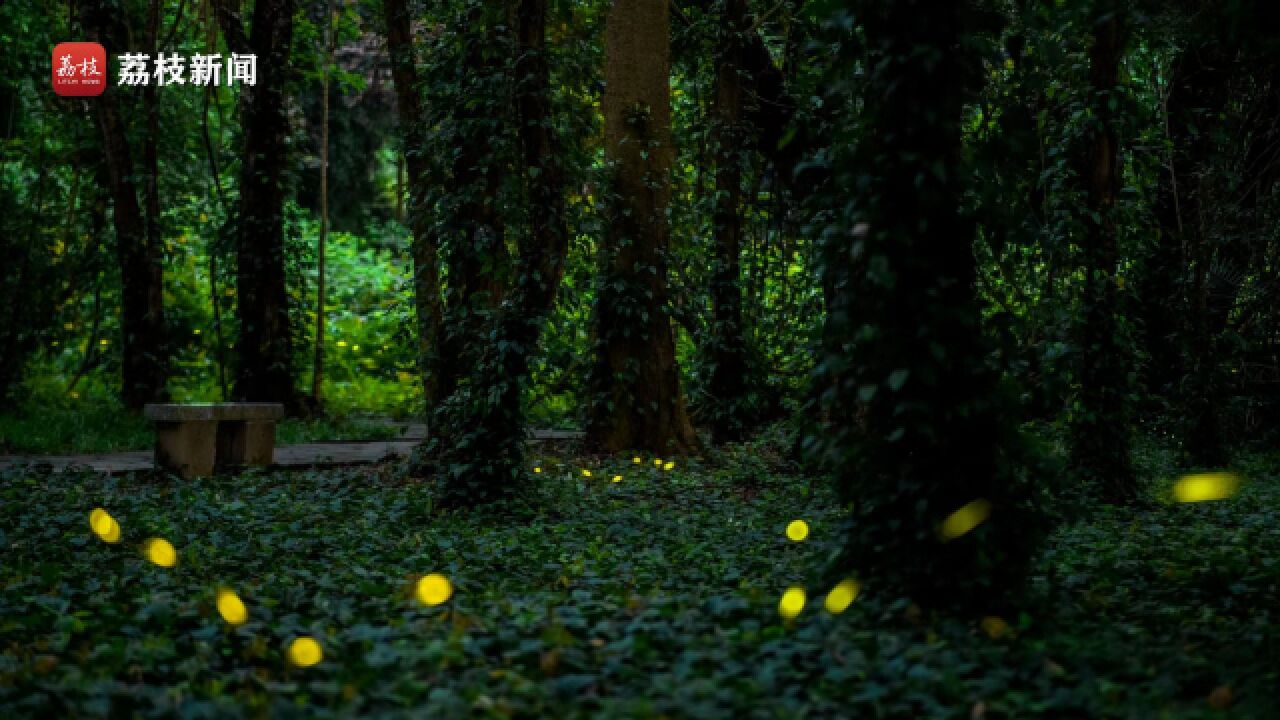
{"points": [[655, 595]]}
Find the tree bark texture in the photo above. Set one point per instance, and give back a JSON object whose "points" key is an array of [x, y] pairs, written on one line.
{"points": [[425, 250], [728, 382], [266, 344], [139, 251], [639, 403]]}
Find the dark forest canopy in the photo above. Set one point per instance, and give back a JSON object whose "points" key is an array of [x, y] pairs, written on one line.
{"points": [[960, 256]]}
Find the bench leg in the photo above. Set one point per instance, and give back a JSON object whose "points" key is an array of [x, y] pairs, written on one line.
{"points": [[187, 448], [247, 442]]}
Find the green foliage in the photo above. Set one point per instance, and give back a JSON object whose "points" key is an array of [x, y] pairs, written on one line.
{"points": [[654, 596], [911, 418], [45, 262], [934, 296], [90, 419], [60, 424], [781, 300], [369, 331], [495, 205]]}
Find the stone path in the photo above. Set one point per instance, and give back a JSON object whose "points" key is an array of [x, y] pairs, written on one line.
{"points": [[318, 454]]}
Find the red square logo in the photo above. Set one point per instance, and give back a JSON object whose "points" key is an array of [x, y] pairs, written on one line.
{"points": [[79, 69]]}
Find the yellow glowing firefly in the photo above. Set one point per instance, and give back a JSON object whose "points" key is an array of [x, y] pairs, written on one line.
{"points": [[965, 519], [842, 596], [792, 602], [231, 607], [797, 530], [657, 462], [160, 552], [434, 589], [537, 470], [617, 478], [104, 526], [305, 652], [1206, 486], [636, 460], [669, 465], [586, 472], [99, 520]]}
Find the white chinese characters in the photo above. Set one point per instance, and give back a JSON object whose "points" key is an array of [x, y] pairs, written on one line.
{"points": [[172, 69], [85, 68]]}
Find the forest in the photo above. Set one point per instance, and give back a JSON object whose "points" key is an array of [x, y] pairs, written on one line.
{"points": [[740, 358]]}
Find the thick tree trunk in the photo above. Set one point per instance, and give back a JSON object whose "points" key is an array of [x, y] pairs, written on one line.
{"points": [[919, 426], [139, 252], [1101, 426], [478, 261], [426, 255], [639, 404], [543, 252], [493, 418], [266, 343], [143, 364], [728, 345]]}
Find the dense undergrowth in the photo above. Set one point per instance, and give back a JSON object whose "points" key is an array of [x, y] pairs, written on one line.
{"points": [[653, 596]]}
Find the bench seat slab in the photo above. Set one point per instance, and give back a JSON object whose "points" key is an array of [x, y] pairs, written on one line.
{"points": [[176, 412]]}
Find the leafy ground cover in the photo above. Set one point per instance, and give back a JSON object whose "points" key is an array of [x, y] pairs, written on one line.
{"points": [[653, 596]]}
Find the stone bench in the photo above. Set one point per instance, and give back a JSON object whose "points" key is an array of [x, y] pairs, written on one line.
{"points": [[197, 440]]}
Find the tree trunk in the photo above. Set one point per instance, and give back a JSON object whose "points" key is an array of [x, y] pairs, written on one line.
{"points": [[638, 400], [728, 382], [493, 418], [139, 252], [478, 261], [1101, 426], [215, 298], [543, 252], [426, 256], [918, 426], [266, 343]]}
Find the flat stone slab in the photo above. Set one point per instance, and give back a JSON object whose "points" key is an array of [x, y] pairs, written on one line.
{"points": [[198, 412], [415, 430], [331, 454], [319, 454]]}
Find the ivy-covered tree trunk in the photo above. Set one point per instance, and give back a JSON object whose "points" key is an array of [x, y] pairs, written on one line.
{"points": [[479, 265], [480, 444], [638, 403], [266, 343], [728, 383], [139, 251], [426, 255], [1100, 424], [917, 426]]}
